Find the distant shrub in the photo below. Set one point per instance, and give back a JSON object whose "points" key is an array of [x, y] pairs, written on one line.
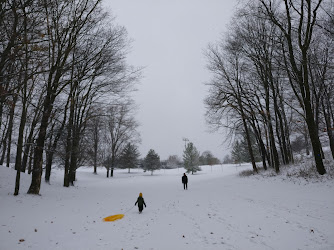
{"points": [[304, 171], [250, 172], [246, 173]]}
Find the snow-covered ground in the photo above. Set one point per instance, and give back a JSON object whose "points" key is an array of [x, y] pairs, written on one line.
{"points": [[220, 210]]}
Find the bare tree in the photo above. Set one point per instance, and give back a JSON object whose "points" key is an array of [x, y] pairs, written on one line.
{"points": [[323, 65], [66, 22], [297, 22], [28, 65], [227, 92], [95, 136], [121, 128], [55, 132], [99, 72]]}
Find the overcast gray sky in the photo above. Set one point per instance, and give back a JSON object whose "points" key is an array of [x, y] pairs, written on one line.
{"points": [[169, 39]]}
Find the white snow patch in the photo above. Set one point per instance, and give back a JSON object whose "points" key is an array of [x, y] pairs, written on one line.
{"points": [[220, 210]]}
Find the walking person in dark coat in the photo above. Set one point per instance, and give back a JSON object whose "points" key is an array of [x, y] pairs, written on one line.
{"points": [[140, 202], [185, 181]]}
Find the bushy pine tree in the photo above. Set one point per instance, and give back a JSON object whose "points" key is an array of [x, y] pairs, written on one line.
{"points": [[152, 161], [191, 158], [129, 157], [240, 152], [236, 152], [227, 159], [173, 161]]}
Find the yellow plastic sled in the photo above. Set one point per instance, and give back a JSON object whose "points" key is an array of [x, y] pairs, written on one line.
{"points": [[113, 217]]}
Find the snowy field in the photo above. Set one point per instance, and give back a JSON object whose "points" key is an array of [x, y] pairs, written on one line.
{"points": [[220, 210]]}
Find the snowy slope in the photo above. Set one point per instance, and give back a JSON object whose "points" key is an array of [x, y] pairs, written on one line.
{"points": [[220, 210]]}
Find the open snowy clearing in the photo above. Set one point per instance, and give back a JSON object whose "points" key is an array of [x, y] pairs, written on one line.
{"points": [[220, 210]]}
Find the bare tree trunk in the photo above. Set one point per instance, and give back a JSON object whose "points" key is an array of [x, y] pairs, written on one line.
{"points": [[108, 171], [286, 130], [272, 142], [257, 132], [53, 147], [48, 166], [25, 157], [113, 160], [30, 161], [249, 144], [4, 147], [19, 148], [10, 129], [96, 143], [27, 147], [281, 133], [69, 143], [74, 157], [39, 148], [329, 124]]}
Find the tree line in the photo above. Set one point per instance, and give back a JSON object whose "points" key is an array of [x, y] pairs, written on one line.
{"points": [[272, 79], [191, 159], [63, 79]]}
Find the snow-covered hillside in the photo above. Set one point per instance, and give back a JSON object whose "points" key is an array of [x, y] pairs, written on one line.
{"points": [[220, 210]]}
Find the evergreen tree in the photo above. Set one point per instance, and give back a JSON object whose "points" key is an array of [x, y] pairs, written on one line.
{"points": [[227, 159], [173, 161], [236, 152], [129, 157], [255, 148], [244, 151], [240, 152], [152, 161], [191, 158]]}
